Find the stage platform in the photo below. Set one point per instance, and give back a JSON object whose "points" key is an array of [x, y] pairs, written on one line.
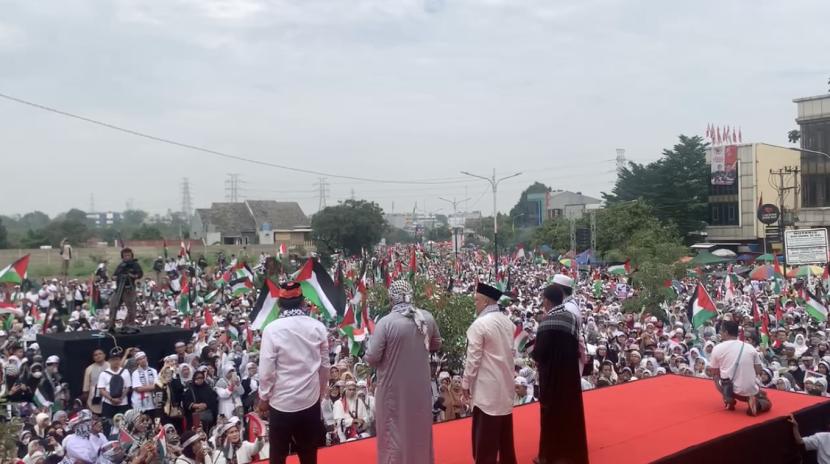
{"points": [[75, 348], [667, 419]]}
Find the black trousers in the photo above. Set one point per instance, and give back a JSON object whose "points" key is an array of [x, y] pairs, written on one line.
{"points": [[493, 438], [109, 411], [300, 431]]}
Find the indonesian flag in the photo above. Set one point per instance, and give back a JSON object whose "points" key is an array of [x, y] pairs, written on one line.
{"points": [[15, 272], [701, 308], [283, 251]]}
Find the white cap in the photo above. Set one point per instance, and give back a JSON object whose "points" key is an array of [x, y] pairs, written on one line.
{"points": [[520, 381], [140, 355], [53, 359], [563, 280]]}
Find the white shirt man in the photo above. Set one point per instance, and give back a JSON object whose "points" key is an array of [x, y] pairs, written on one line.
{"points": [[295, 351], [143, 381], [488, 378], [111, 405], [723, 358]]}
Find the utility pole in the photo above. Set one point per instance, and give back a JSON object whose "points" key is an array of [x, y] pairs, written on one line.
{"points": [[494, 183], [781, 188], [572, 222], [232, 187], [454, 204], [593, 215], [187, 208], [322, 186]]}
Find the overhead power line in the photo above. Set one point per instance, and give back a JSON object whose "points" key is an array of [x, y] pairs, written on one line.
{"points": [[216, 152]]}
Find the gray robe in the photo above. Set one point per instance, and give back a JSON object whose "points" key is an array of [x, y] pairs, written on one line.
{"points": [[403, 418]]}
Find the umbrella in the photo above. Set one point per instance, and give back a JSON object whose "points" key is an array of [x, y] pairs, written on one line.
{"points": [[724, 253], [748, 258], [764, 272], [806, 271], [767, 258], [705, 258]]}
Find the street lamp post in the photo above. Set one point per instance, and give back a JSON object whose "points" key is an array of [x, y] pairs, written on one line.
{"points": [[454, 204], [494, 183]]}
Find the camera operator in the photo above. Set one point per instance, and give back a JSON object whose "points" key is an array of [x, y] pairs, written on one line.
{"points": [[127, 272]]}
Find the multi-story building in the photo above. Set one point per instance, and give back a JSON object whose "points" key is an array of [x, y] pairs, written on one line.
{"points": [[814, 122]]}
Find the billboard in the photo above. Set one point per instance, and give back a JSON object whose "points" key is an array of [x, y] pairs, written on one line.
{"points": [[724, 165], [805, 246]]}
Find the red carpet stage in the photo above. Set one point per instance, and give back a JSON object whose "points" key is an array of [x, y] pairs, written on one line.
{"points": [[666, 419]]}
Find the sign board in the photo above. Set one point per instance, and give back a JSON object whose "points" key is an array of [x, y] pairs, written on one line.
{"points": [[805, 246], [724, 165], [768, 214]]}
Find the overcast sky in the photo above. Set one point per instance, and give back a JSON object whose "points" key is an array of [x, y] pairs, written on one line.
{"points": [[387, 89]]}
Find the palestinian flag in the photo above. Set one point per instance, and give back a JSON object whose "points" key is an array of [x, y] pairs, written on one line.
{"points": [[413, 264], [283, 251], [620, 269], [701, 308], [521, 340], [44, 396], [765, 330], [161, 445], [15, 272], [319, 289], [11, 308], [265, 310], [241, 282], [815, 308], [211, 297], [184, 297]]}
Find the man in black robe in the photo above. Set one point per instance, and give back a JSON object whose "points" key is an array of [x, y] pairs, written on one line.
{"points": [[562, 438]]}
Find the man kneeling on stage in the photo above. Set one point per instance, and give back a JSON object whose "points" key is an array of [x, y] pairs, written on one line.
{"points": [[734, 366]]}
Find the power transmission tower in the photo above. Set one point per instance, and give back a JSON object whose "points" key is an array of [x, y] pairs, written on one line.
{"points": [[620, 160], [187, 204], [232, 188], [322, 190]]}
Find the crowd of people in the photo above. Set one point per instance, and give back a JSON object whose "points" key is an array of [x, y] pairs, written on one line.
{"points": [[201, 403]]}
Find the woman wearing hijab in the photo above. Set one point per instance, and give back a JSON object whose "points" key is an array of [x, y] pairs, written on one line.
{"points": [[232, 449], [767, 378], [800, 345], [201, 402], [193, 451], [229, 391], [400, 351]]}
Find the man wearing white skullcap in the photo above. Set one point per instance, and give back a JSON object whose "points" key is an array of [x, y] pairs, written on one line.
{"points": [[143, 382]]}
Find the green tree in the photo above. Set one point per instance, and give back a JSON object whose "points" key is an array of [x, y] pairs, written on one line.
{"points": [[146, 232], [676, 185], [439, 234], [35, 220], [394, 235], [133, 217], [4, 236], [350, 226], [34, 239], [525, 213], [75, 231], [794, 136], [75, 215]]}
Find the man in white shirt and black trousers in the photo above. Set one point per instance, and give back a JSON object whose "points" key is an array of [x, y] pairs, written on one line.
{"points": [[488, 379], [293, 371], [734, 366]]}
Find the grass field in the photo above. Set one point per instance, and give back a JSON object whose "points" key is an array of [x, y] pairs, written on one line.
{"points": [[47, 263]]}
